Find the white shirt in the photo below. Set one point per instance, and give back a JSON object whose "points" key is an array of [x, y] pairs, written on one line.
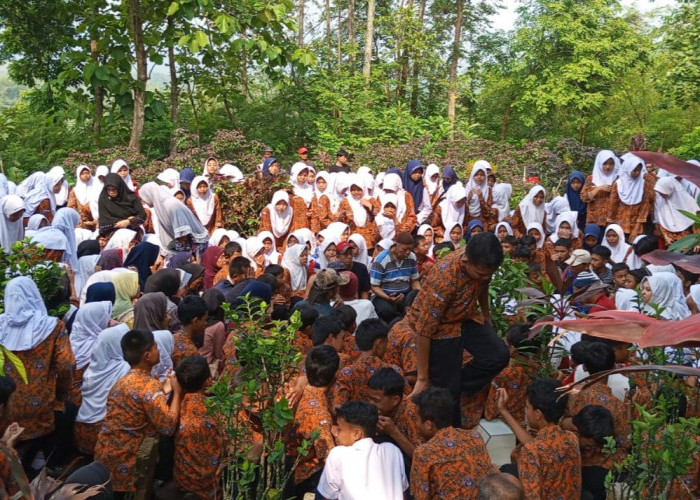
{"points": [[364, 309], [364, 471]]}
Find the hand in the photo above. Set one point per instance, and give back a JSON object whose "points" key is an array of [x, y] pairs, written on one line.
{"points": [[476, 191], [386, 425], [122, 224], [177, 388], [366, 203], [502, 401], [278, 300], [294, 392], [397, 298], [12, 432], [338, 302], [607, 188], [420, 386]]}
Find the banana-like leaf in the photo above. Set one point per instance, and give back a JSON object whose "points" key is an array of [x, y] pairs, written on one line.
{"points": [[690, 263], [584, 383], [623, 326], [672, 164], [684, 333]]}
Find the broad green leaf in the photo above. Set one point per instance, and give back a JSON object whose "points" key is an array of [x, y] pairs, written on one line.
{"points": [[202, 38], [173, 8]]}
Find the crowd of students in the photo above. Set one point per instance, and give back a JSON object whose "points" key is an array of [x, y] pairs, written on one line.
{"points": [[390, 274]]}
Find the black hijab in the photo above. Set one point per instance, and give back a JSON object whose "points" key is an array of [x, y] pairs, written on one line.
{"points": [[126, 204], [164, 280], [88, 247], [142, 257]]}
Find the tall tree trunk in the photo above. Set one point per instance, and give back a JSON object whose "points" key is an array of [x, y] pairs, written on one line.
{"points": [[244, 70], [195, 114], [416, 63], [369, 41], [98, 96], [174, 91], [328, 23], [351, 33], [452, 85], [339, 61], [504, 122], [141, 75], [301, 23]]}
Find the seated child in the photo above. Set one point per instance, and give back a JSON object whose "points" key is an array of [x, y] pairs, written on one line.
{"points": [[452, 461], [509, 243], [397, 414], [358, 467], [193, 315], [600, 258], [594, 424], [548, 465], [302, 338], [329, 331], [620, 272], [347, 317], [371, 337], [199, 443], [137, 409], [314, 415]]}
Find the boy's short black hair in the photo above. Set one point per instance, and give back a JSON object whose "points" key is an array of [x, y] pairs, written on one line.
{"points": [[324, 327], [417, 239], [361, 414], [619, 266], [136, 343], [231, 248], [192, 372], [528, 240], [517, 335], [594, 422], [346, 314], [321, 365], [274, 270], [510, 240], [190, 308], [388, 381], [599, 357], [238, 266], [603, 251], [639, 274], [578, 351], [484, 249], [543, 396], [563, 242], [521, 252], [307, 314], [534, 267], [269, 279], [445, 244], [646, 245], [435, 404], [7, 387], [368, 331]]}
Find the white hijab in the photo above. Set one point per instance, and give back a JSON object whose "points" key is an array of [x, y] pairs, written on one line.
{"points": [[667, 292], [569, 217], [107, 365], [448, 207], [433, 187], [422, 229], [528, 211], [339, 185], [474, 203], [633, 260], [231, 172], [362, 255], [166, 342], [449, 226], [90, 320], [217, 236], [203, 204], [86, 268], [394, 184], [619, 251], [25, 323], [273, 256], [327, 241], [359, 213], [538, 227], [600, 178], [121, 239], [280, 222], [58, 174], [501, 199], [253, 245], [170, 177], [631, 191], [675, 198], [35, 189], [367, 180], [117, 165], [10, 232], [508, 227], [553, 209], [66, 220], [85, 192], [387, 228], [329, 188], [305, 191], [297, 271]]}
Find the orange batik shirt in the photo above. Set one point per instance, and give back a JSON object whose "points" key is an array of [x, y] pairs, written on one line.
{"points": [[182, 347], [352, 379], [313, 413]]}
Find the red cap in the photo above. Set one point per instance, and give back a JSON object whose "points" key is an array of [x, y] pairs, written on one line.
{"points": [[303, 150], [343, 246], [348, 292]]}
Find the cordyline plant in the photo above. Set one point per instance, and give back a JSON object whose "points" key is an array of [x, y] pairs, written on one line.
{"points": [[505, 289], [253, 401]]}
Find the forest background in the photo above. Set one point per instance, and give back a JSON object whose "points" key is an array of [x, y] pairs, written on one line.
{"points": [[166, 83]]}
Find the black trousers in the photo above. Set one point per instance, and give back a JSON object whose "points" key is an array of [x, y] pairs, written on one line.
{"points": [[490, 353], [390, 311]]}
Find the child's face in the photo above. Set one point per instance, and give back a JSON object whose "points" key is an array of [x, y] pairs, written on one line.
{"points": [[619, 277], [385, 404], [346, 434], [84, 175], [646, 292], [274, 168], [502, 232], [302, 176], [576, 185], [589, 448], [612, 238], [423, 247], [198, 325], [428, 234], [597, 262], [346, 235], [337, 342], [185, 185], [331, 252], [591, 241], [416, 174], [476, 230], [311, 176], [608, 166], [267, 243], [531, 415], [212, 167], [426, 428], [321, 184], [565, 230], [538, 199], [16, 216], [636, 172], [292, 240], [112, 191], [303, 257], [479, 177], [202, 188], [562, 253], [356, 192], [533, 248], [153, 354], [492, 180], [281, 206], [456, 234], [507, 248], [535, 234], [180, 196], [435, 178], [355, 249], [123, 172], [461, 203]]}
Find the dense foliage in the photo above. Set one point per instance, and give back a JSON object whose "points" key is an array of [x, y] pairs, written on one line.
{"points": [[387, 80]]}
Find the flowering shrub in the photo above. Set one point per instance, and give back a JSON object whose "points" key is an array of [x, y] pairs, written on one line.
{"points": [[242, 202]]}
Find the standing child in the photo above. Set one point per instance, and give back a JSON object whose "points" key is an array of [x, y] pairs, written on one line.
{"points": [[632, 197], [277, 218], [137, 409], [205, 204], [596, 190], [453, 460]]}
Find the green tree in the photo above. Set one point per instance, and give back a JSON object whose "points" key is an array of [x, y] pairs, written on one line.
{"points": [[682, 38]]}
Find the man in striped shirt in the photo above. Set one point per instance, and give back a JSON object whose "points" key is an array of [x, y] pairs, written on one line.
{"points": [[394, 274]]}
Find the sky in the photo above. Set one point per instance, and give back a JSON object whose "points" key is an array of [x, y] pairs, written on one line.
{"points": [[506, 17]]}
